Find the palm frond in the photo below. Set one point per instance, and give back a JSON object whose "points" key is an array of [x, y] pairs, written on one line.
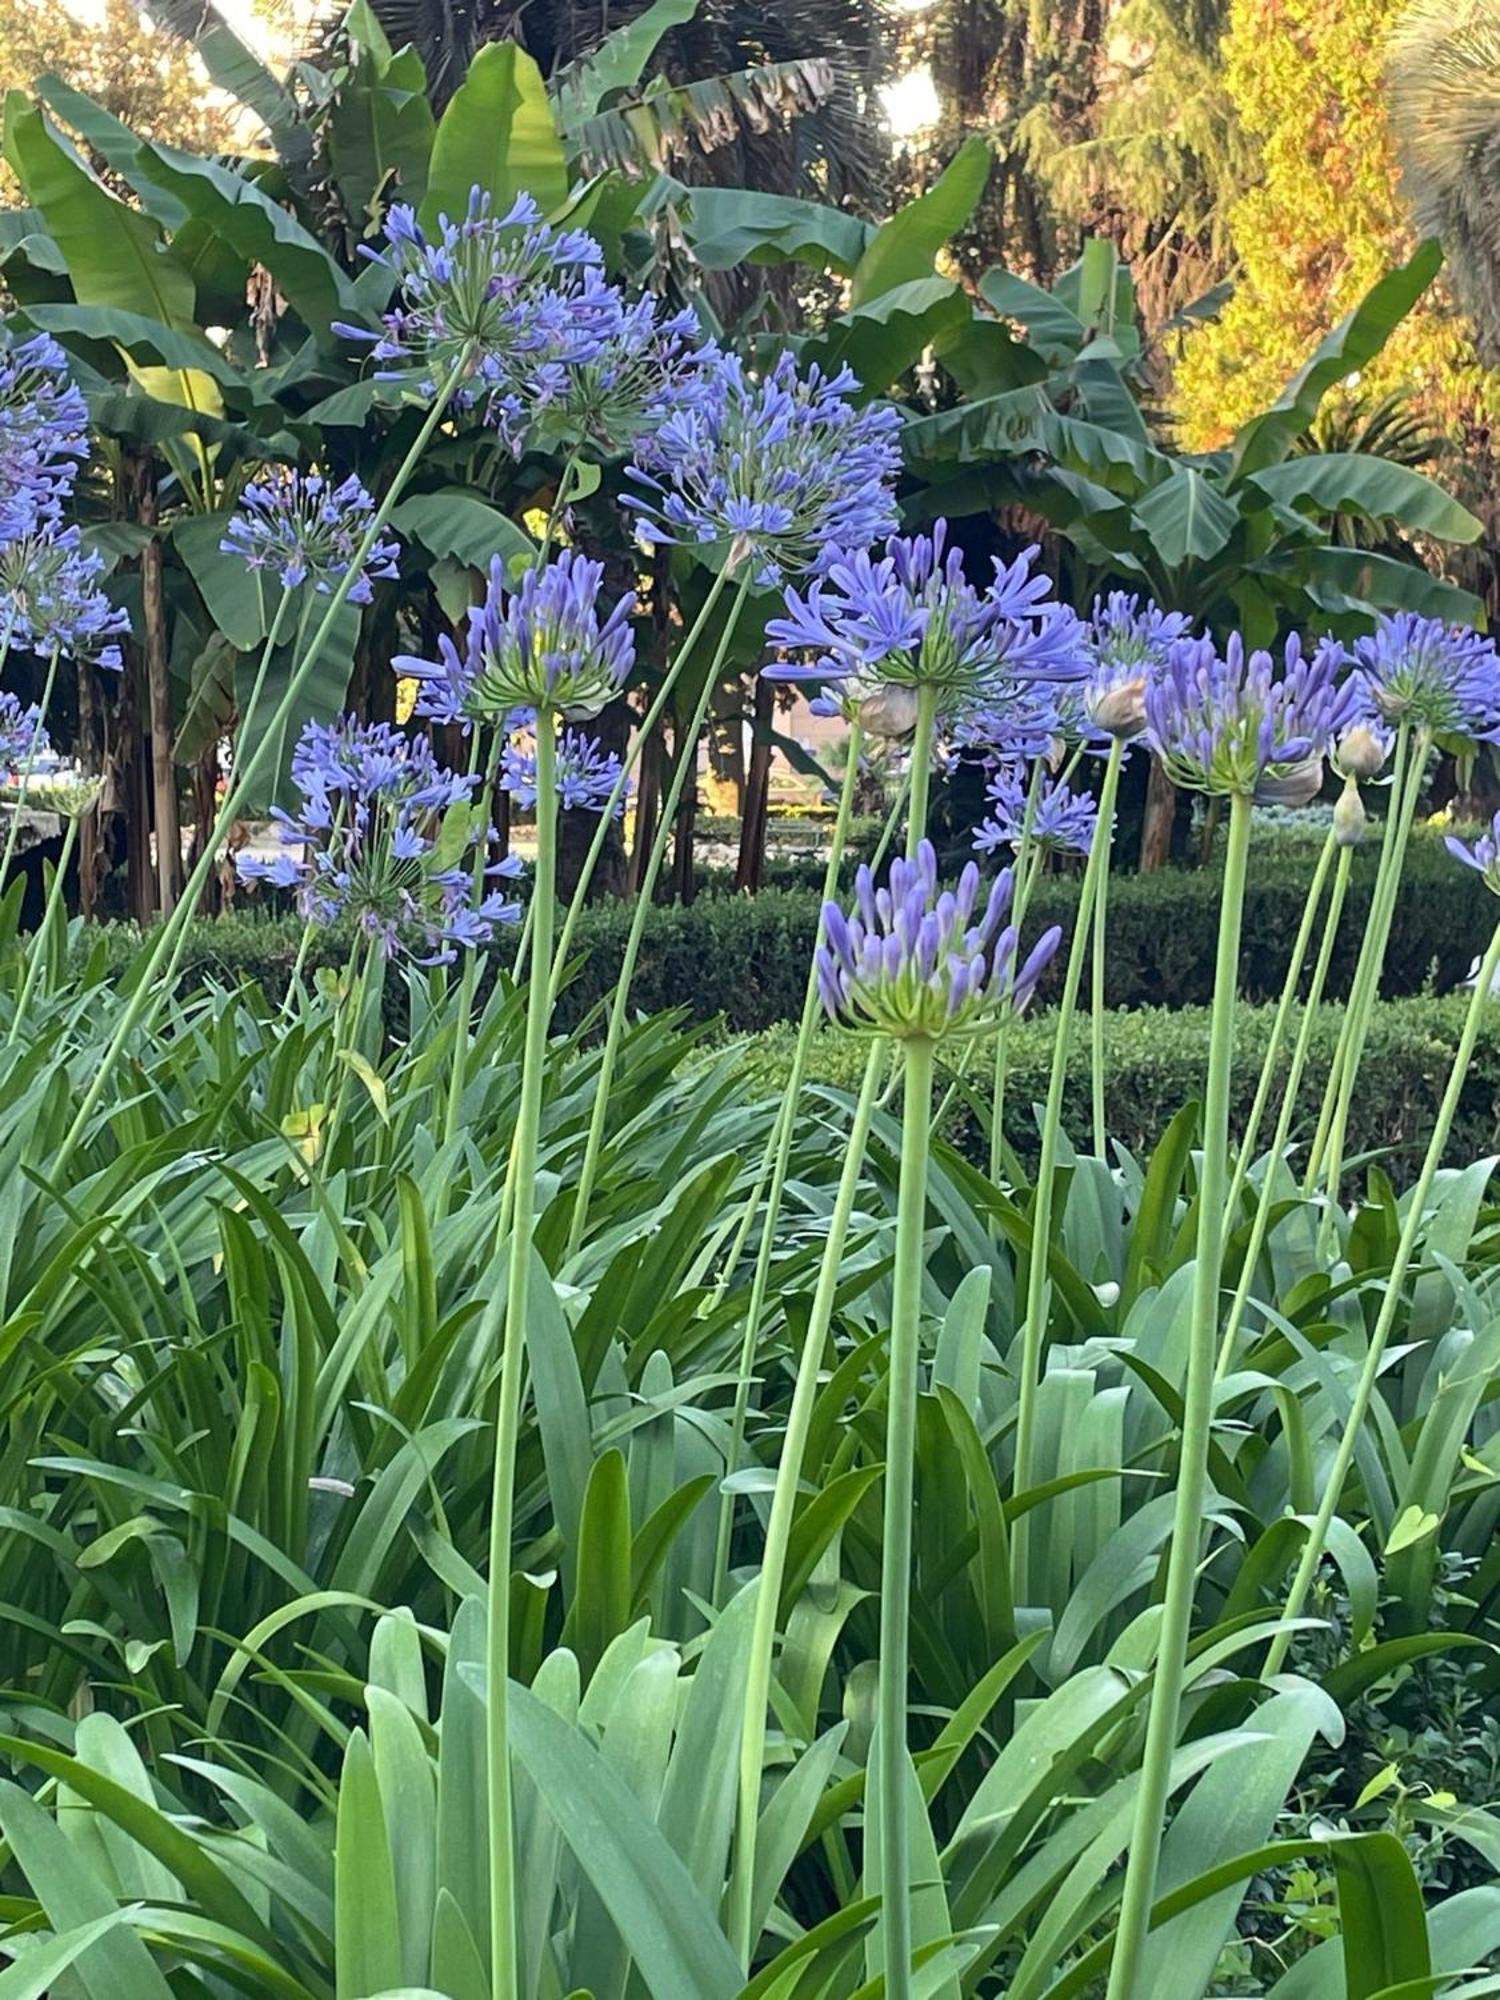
{"points": [[665, 122], [1444, 72]]}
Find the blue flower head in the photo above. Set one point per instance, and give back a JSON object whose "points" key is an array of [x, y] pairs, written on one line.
{"points": [[911, 959], [1128, 641], [23, 738], [766, 470], [1062, 821], [1229, 724], [586, 774], [44, 425], [385, 836], [603, 395], [1437, 677], [542, 645], [306, 531], [910, 618], [51, 600], [502, 293]]}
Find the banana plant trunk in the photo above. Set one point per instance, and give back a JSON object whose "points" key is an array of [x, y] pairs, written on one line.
{"points": [[1157, 820], [752, 856]]}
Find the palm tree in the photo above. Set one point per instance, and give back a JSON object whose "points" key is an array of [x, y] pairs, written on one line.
{"points": [[1444, 71]]}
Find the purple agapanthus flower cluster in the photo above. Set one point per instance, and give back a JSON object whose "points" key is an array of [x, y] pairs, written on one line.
{"points": [[1128, 640], [541, 645], [1436, 677], [308, 531], [44, 425], [23, 738], [911, 619], [50, 589], [605, 395], [385, 837], [1483, 855], [770, 470], [587, 774], [911, 960], [1227, 723], [1062, 821], [500, 295]]}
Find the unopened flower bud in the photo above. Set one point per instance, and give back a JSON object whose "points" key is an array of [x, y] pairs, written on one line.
{"points": [[1294, 785], [891, 710], [1360, 753], [1121, 712], [1349, 816]]}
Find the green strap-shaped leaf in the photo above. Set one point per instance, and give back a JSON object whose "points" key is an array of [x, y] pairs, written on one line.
{"points": [[678, 1948]]}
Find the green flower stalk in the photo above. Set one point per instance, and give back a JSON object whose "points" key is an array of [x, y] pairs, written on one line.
{"points": [[1314, 1548], [1290, 1090], [1223, 725], [620, 1003], [73, 801], [521, 1199], [778, 1160], [912, 967], [1197, 1425], [740, 1915], [1034, 1325]]}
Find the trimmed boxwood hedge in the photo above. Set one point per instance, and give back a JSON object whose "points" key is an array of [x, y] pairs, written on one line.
{"points": [[745, 958], [1154, 1059]]}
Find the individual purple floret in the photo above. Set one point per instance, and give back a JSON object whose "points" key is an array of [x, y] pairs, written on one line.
{"points": [[307, 531], [23, 739], [911, 960], [770, 470], [498, 294], [44, 423], [1437, 677], [385, 837], [1128, 640], [1226, 723], [910, 618], [586, 774], [539, 646], [1020, 721], [1483, 856], [50, 599], [1062, 821]]}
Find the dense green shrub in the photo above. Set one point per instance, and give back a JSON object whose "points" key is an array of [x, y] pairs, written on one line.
{"points": [[1156, 1059], [746, 958]]}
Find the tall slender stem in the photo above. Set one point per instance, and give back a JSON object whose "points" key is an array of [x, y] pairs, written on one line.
{"points": [[780, 1149], [1293, 1084], [783, 1511], [468, 978], [1245, 1152], [1359, 1020], [1033, 1329], [33, 745], [632, 757], [1368, 945], [687, 753], [1197, 1428], [1390, 1305], [921, 766], [41, 938], [1096, 1002], [1025, 878], [896, 1533], [503, 1953], [149, 989]]}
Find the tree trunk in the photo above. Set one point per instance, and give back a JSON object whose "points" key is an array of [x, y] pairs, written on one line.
{"points": [[576, 830], [135, 797], [92, 865], [1156, 822], [647, 800], [752, 858], [159, 695], [726, 748]]}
